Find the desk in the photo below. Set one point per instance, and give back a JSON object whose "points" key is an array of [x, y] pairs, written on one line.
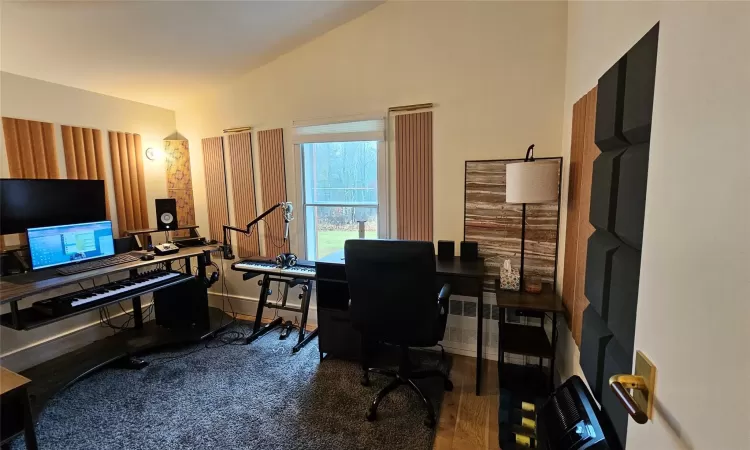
{"points": [[15, 409], [525, 339], [146, 232], [53, 375], [335, 332]]}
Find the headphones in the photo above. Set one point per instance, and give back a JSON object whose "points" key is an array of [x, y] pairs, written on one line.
{"points": [[213, 278], [286, 260]]}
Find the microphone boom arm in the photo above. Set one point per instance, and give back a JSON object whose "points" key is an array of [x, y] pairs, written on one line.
{"points": [[226, 248]]}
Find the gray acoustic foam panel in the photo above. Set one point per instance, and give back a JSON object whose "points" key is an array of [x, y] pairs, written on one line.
{"points": [[609, 102], [616, 362], [623, 296], [640, 76], [601, 247], [604, 180], [631, 195], [594, 338]]}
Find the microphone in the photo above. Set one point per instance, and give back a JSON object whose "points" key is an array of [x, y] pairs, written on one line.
{"points": [[288, 208]]}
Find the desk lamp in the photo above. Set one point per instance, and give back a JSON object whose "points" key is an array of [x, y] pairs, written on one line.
{"points": [[530, 181]]}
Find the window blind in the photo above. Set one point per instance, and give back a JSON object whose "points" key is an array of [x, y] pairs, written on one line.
{"points": [[341, 131]]}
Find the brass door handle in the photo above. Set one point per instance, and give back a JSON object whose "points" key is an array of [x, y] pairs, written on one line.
{"points": [[620, 385], [639, 405]]}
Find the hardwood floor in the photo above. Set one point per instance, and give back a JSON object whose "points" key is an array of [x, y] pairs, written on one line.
{"points": [[468, 421]]}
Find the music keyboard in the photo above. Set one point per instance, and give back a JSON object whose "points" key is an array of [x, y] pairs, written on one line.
{"points": [[109, 293], [268, 267]]}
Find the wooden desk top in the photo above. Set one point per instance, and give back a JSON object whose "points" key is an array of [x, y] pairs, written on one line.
{"points": [[11, 380], [454, 266], [16, 287], [547, 300]]}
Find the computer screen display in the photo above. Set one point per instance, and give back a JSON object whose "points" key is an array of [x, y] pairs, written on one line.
{"points": [[65, 244], [31, 203]]}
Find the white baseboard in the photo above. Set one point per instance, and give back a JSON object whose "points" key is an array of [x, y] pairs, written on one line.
{"points": [[248, 306], [60, 344]]}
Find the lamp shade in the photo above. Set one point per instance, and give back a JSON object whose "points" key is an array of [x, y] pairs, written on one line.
{"points": [[531, 182]]}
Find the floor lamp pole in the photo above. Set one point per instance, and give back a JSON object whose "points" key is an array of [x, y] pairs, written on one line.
{"points": [[523, 242]]}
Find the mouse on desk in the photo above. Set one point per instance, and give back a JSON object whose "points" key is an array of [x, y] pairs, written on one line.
{"points": [[147, 257]]}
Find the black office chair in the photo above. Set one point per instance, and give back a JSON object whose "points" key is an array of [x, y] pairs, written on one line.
{"points": [[394, 300]]}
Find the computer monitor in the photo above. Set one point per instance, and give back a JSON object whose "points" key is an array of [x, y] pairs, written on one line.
{"points": [[32, 203], [67, 244]]}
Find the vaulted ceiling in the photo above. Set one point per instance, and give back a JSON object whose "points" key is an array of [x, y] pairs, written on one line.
{"points": [[158, 52]]}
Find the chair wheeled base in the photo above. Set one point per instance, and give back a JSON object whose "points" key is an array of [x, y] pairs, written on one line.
{"points": [[403, 376]]}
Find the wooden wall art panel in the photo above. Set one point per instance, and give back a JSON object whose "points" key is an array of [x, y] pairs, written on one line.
{"points": [[180, 182], [496, 225]]}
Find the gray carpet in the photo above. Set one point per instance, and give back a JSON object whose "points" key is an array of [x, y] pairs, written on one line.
{"points": [[258, 396]]}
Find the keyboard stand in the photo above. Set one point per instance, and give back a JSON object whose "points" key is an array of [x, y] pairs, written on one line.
{"points": [[259, 329]]}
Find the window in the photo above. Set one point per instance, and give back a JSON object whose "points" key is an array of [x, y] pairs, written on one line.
{"points": [[344, 188]]}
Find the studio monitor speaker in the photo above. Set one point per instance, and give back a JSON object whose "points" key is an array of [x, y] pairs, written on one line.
{"points": [[166, 214], [469, 251], [446, 250]]}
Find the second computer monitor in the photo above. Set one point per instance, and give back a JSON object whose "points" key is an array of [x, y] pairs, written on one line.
{"points": [[66, 244]]}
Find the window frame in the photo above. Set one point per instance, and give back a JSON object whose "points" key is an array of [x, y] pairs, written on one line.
{"points": [[383, 196]]}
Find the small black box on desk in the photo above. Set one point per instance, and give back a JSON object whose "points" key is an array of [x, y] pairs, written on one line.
{"points": [[446, 249], [469, 251]]}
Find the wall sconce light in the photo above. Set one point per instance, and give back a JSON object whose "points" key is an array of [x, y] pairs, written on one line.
{"points": [[152, 153]]}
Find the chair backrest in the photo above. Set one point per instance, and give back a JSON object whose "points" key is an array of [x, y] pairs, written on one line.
{"points": [[393, 290]]}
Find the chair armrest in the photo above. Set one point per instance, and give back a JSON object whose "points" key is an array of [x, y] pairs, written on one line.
{"points": [[445, 293]]}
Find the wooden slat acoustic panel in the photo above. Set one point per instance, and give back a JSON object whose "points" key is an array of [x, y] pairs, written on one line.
{"points": [[31, 148], [216, 187], [583, 152], [414, 176], [180, 182], [243, 191], [130, 184], [31, 152], [273, 187], [585, 229], [574, 205], [84, 156]]}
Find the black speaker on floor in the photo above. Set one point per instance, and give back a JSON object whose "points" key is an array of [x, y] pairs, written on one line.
{"points": [[469, 251], [182, 306], [446, 249], [166, 214]]}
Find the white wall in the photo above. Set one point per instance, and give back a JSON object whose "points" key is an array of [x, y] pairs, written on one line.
{"points": [[27, 98], [495, 71], [693, 307]]}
